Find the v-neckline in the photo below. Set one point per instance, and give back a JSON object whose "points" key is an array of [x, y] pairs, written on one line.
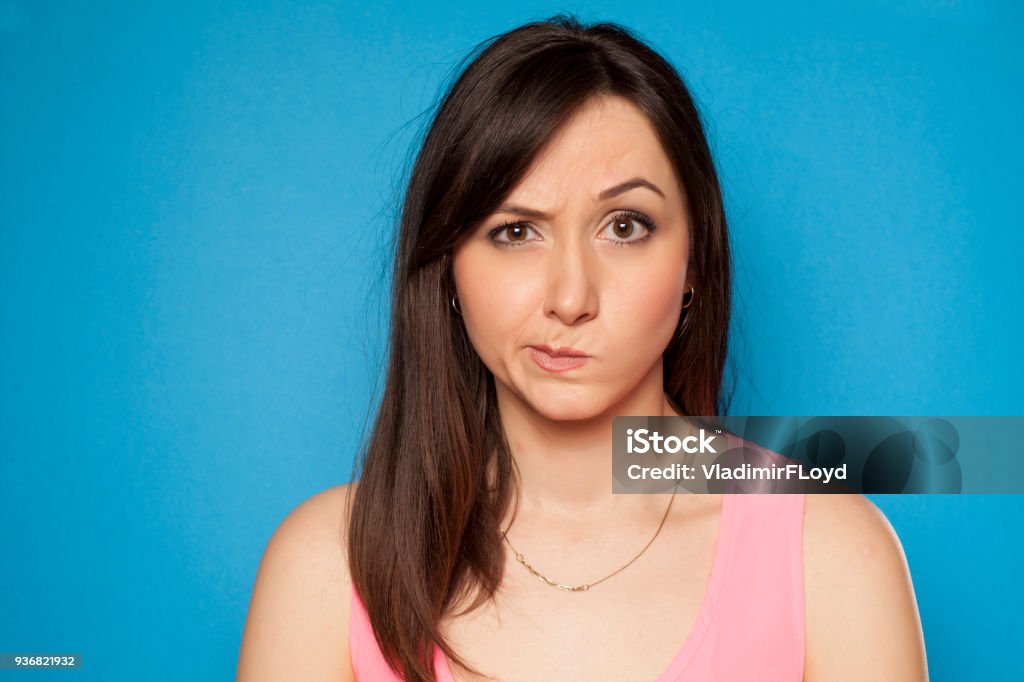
{"points": [[688, 649]]}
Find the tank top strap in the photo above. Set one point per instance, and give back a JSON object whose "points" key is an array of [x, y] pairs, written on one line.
{"points": [[368, 661], [757, 629]]}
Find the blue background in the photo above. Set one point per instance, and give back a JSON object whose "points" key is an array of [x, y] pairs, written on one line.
{"points": [[194, 201]]}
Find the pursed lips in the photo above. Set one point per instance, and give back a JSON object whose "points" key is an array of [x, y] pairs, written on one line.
{"points": [[559, 351]]}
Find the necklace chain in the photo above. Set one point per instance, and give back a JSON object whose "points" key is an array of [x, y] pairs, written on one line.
{"points": [[586, 586]]}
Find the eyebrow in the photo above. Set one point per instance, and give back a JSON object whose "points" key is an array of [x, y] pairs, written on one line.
{"points": [[609, 193]]}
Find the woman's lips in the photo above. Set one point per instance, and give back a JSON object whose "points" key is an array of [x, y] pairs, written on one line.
{"points": [[556, 363]]}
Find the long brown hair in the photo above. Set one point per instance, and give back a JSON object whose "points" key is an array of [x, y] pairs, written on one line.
{"points": [[437, 473]]}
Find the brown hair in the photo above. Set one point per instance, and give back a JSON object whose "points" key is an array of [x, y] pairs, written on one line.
{"points": [[437, 473]]}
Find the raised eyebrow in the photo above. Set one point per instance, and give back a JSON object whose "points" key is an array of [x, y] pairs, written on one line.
{"points": [[632, 183], [609, 193]]}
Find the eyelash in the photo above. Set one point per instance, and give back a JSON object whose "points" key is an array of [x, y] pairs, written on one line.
{"points": [[621, 215]]}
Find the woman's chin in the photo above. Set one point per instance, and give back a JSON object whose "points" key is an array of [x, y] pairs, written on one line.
{"points": [[568, 408]]}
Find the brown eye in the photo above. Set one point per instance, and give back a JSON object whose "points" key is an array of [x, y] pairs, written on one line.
{"points": [[515, 233], [622, 227], [629, 228]]}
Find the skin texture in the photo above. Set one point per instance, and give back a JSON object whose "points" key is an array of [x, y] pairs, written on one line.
{"points": [[570, 284]]}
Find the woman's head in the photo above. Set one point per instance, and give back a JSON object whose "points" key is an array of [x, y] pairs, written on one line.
{"points": [[590, 252], [545, 118], [548, 118]]}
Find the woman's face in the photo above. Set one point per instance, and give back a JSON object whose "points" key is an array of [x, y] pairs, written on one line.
{"points": [[592, 257]]}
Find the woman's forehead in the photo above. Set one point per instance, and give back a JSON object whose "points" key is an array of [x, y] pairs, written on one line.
{"points": [[606, 142]]}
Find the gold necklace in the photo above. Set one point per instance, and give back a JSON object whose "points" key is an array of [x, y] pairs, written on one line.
{"points": [[586, 586]]}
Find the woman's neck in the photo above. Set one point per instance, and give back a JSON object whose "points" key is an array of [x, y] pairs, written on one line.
{"points": [[565, 466]]}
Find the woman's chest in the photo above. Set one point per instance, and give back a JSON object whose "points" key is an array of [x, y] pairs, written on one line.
{"points": [[630, 627]]}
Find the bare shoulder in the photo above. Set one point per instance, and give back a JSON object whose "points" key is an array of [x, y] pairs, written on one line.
{"points": [[862, 617], [297, 623]]}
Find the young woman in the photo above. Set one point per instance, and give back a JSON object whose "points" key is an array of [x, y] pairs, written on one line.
{"points": [[564, 259]]}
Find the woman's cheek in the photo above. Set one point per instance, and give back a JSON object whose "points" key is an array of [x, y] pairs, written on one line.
{"points": [[661, 307], [494, 314], [650, 310]]}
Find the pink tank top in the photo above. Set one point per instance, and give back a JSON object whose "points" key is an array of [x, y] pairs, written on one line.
{"points": [[750, 625]]}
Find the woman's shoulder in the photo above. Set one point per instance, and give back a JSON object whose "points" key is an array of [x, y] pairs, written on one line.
{"points": [[326, 511], [859, 594], [850, 527], [300, 601], [846, 536], [317, 530]]}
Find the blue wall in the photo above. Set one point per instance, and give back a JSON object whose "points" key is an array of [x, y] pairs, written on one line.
{"points": [[194, 203]]}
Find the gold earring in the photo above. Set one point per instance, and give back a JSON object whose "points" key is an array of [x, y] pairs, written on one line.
{"points": [[692, 293], [686, 314]]}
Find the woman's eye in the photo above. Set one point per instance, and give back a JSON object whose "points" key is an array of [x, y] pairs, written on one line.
{"points": [[626, 227], [515, 233]]}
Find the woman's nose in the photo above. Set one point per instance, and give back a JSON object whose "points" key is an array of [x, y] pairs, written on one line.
{"points": [[571, 292]]}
